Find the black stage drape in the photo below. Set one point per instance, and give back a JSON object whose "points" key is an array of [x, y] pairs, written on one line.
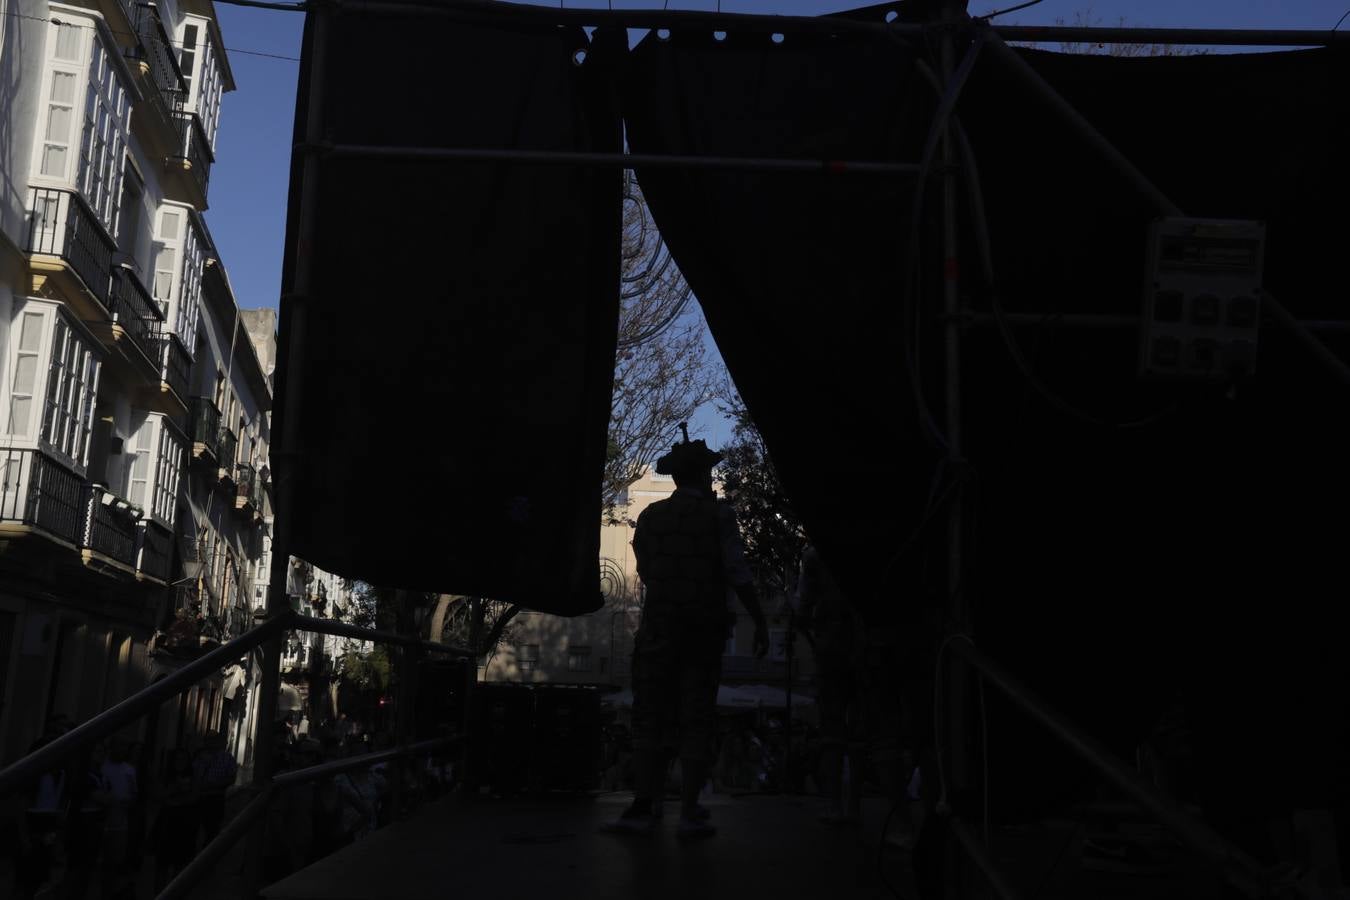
{"points": [[461, 334], [1109, 565], [459, 341]]}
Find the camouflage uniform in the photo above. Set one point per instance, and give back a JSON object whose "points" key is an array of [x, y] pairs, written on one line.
{"points": [[682, 546]]}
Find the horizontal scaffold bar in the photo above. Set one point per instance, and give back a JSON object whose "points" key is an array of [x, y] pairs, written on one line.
{"points": [[625, 160], [666, 18]]}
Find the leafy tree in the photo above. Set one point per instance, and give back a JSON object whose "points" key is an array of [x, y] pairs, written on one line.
{"points": [[1086, 18], [772, 532], [367, 670], [661, 373]]}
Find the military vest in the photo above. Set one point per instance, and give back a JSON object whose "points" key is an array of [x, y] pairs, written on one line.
{"points": [[679, 552]]}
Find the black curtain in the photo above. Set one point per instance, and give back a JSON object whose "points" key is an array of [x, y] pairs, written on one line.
{"points": [[1109, 566], [460, 335]]}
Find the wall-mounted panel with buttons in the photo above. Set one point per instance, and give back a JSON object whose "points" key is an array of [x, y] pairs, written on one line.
{"points": [[1202, 302]]}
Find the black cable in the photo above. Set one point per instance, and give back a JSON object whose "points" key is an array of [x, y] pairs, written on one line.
{"points": [[260, 4], [178, 44], [1340, 20], [1001, 12]]}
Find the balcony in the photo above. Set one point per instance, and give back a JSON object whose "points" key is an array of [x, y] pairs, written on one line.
{"points": [[109, 526], [159, 67], [64, 226], [175, 366], [226, 445], [38, 492], [248, 489], [205, 428], [195, 155], [154, 551], [135, 313]]}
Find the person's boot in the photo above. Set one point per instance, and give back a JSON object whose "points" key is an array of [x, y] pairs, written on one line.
{"points": [[637, 819], [693, 816]]}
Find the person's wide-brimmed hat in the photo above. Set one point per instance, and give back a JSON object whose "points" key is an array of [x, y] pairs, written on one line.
{"points": [[688, 456]]}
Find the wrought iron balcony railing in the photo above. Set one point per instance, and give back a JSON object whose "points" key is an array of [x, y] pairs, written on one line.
{"points": [[195, 148], [186, 597], [109, 527], [248, 487], [131, 307], [256, 495], [37, 490], [63, 225], [226, 444], [205, 425], [158, 56], [154, 550], [175, 366]]}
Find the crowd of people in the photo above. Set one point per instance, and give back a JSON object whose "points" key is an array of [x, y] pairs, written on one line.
{"points": [[308, 821], [114, 824], [90, 827]]}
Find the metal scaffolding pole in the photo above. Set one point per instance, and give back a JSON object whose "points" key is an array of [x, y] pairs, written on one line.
{"points": [[957, 716], [288, 446], [496, 12], [623, 160]]}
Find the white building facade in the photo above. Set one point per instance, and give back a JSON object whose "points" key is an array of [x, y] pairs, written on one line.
{"points": [[110, 111]]}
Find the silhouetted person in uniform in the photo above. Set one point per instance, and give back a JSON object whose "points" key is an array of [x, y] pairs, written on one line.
{"points": [[688, 554]]}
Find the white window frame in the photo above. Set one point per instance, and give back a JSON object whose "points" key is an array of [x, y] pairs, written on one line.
{"points": [[527, 657], [163, 447], [140, 447], [98, 126], [107, 126], [205, 84], [66, 435], [171, 450], [77, 70], [184, 271], [38, 352]]}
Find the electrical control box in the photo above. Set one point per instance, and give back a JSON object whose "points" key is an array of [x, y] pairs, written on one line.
{"points": [[1202, 301]]}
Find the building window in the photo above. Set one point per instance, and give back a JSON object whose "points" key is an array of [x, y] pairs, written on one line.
{"points": [[86, 118], [178, 271], [166, 255], [527, 657], [187, 58], [201, 73], [579, 659], [67, 57], [156, 468], [60, 115], [24, 389], [604, 665], [72, 384], [172, 449], [658, 476], [140, 474], [103, 144]]}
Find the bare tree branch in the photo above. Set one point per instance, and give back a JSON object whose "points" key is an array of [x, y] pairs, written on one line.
{"points": [[661, 372]]}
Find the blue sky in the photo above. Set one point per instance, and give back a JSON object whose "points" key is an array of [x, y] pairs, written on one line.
{"points": [[249, 180]]}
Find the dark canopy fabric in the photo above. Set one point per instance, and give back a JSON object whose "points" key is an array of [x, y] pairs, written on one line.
{"points": [[1109, 566], [459, 342], [460, 338]]}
